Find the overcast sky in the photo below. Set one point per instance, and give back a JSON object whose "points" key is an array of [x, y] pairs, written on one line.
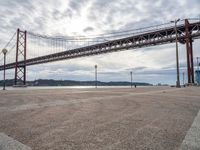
{"points": [[91, 17]]}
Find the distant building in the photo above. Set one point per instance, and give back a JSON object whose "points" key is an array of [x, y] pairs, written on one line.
{"points": [[159, 84], [197, 77]]}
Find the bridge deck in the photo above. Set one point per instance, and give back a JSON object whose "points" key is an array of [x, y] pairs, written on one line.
{"points": [[150, 38]]}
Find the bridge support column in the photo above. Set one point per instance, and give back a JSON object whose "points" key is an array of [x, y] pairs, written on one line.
{"points": [[189, 49], [20, 70]]}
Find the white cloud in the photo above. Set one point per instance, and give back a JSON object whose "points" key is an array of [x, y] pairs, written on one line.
{"points": [[72, 18]]}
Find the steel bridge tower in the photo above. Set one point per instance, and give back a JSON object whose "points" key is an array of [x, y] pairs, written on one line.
{"points": [[20, 70], [189, 49]]}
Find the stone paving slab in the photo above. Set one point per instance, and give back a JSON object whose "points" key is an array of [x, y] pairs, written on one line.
{"points": [[192, 139], [8, 143]]}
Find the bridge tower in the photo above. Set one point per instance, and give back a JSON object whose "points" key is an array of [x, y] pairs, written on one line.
{"points": [[189, 49], [20, 70]]}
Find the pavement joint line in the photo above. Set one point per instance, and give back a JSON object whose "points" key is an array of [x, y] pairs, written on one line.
{"points": [[192, 138], [8, 143]]}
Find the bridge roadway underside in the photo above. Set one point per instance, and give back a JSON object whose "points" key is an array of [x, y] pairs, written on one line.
{"points": [[100, 119], [151, 38]]}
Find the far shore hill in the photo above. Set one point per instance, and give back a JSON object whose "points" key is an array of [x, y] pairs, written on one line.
{"points": [[50, 82]]}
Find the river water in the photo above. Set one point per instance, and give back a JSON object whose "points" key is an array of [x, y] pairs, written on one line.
{"points": [[68, 87]]}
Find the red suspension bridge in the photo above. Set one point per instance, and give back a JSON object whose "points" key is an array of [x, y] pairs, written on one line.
{"points": [[27, 48]]}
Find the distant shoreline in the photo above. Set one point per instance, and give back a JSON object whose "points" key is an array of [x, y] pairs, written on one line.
{"points": [[50, 82]]}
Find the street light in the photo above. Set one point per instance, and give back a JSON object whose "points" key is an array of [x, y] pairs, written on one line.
{"points": [[183, 79], [198, 64], [95, 76], [4, 51], [177, 59], [131, 73]]}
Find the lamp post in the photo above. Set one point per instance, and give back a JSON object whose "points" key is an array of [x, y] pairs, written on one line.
{"points": [[198, 64], [4, 51], [95, 76], [177, 57], [183, 78], [131, 73]]}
